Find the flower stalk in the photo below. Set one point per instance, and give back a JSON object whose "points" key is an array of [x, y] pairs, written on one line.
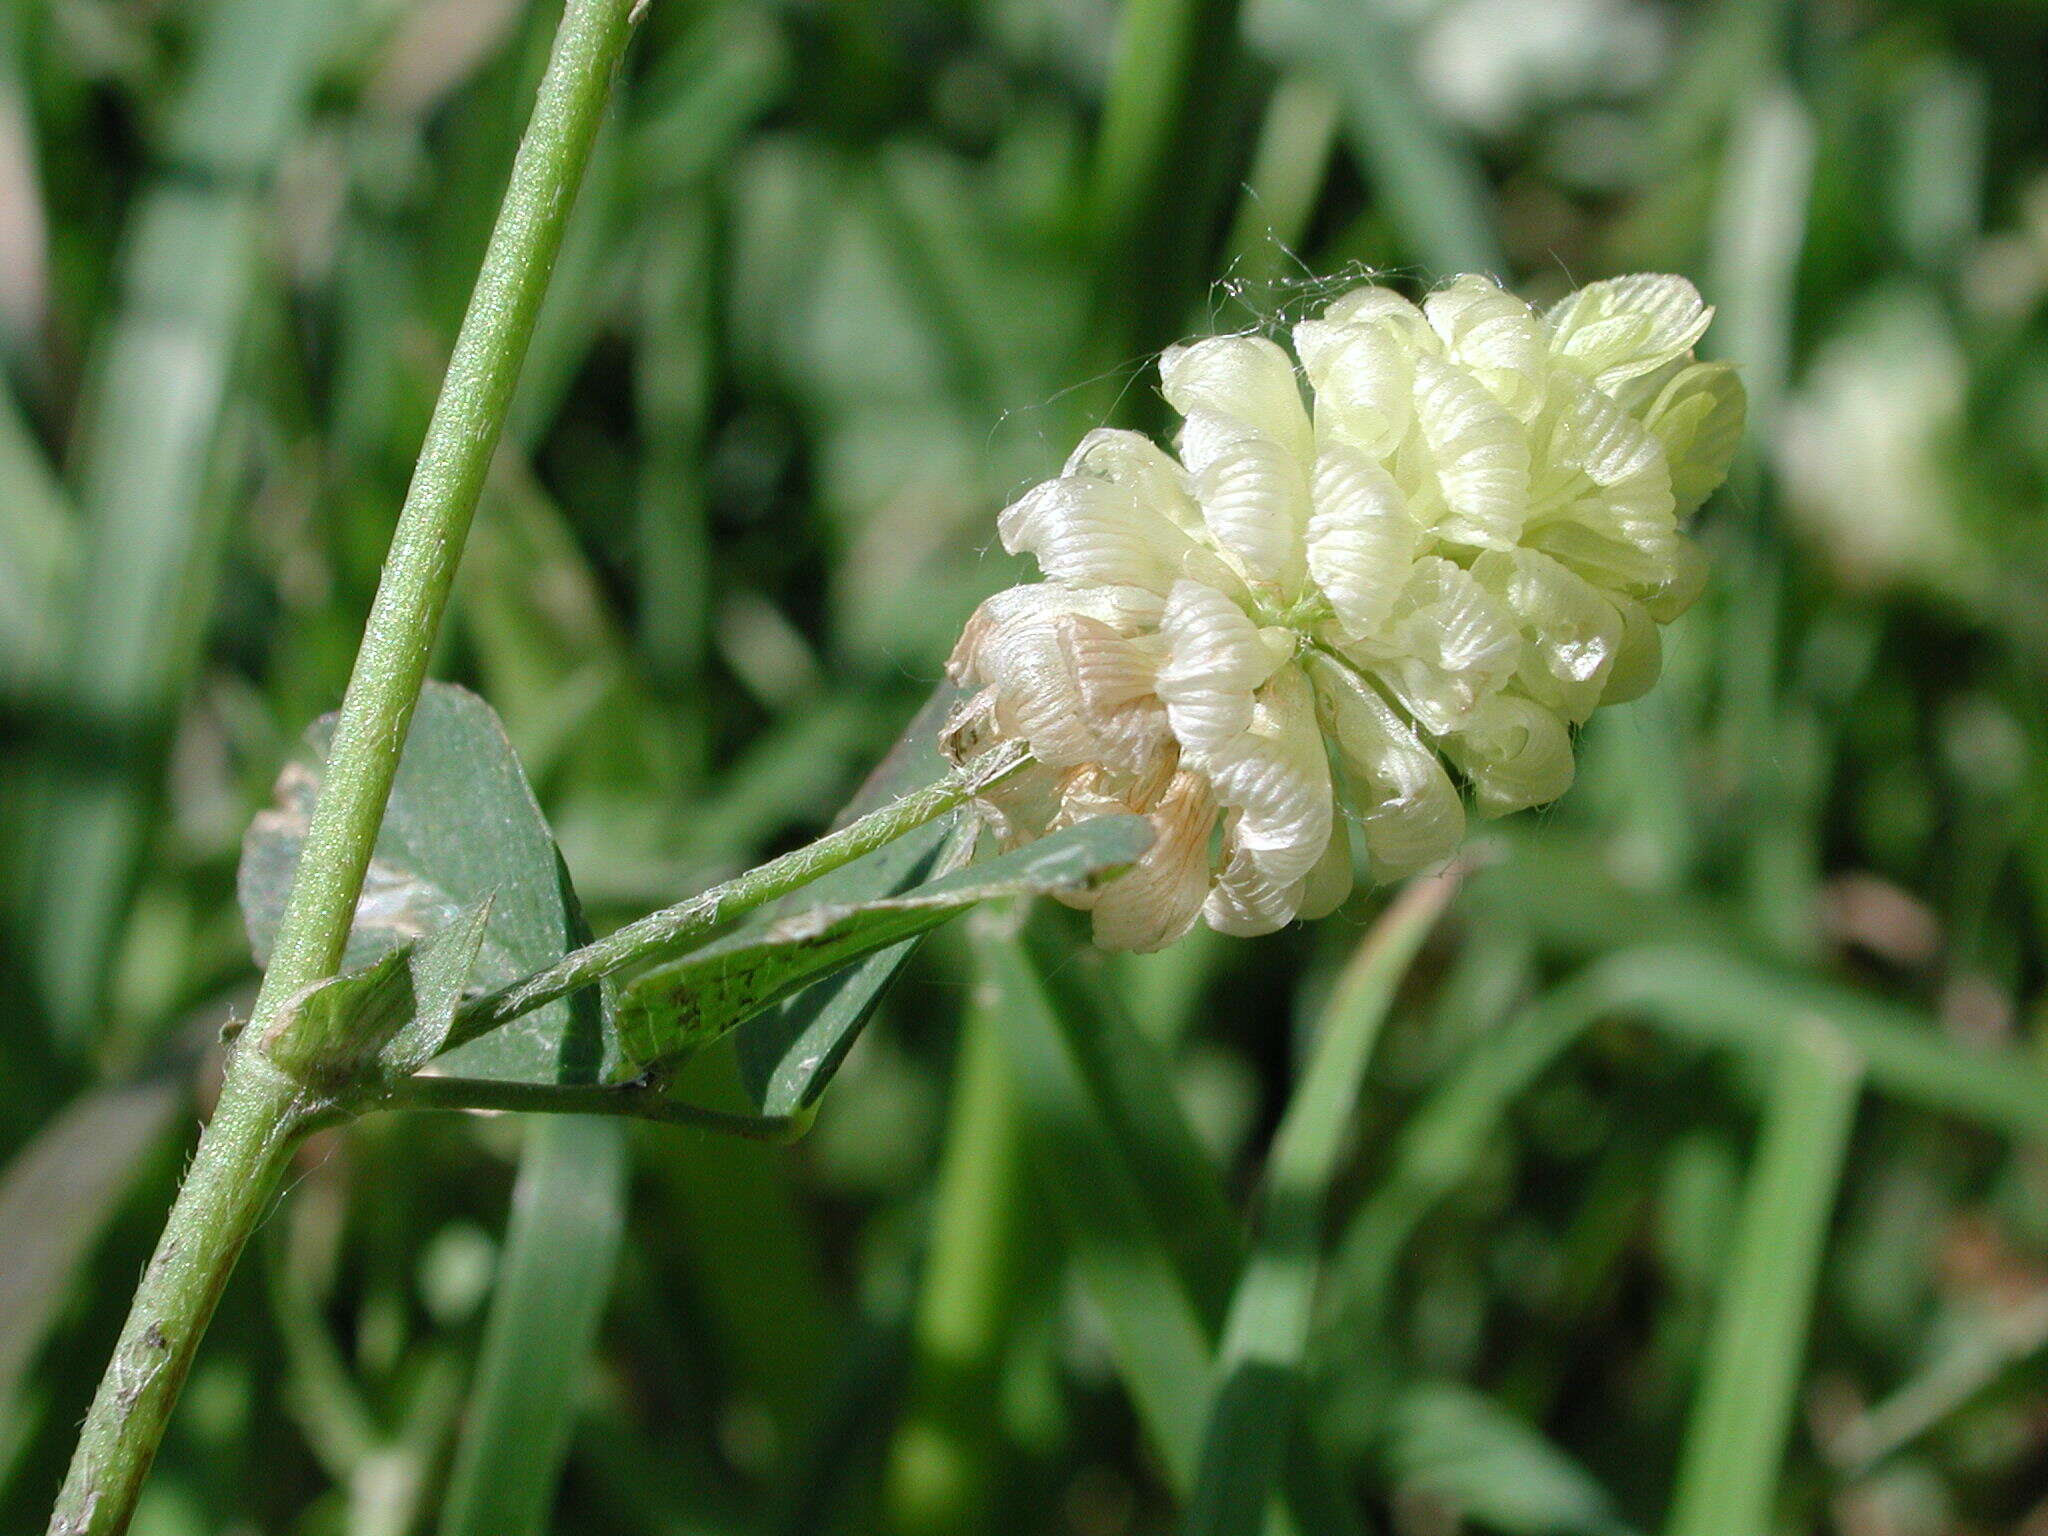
{"points": [[673, 930], [262, 1112]]}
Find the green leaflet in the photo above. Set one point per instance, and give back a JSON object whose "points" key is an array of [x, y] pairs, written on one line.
{"points": [[671, 1010], [462, 829], [785, 1056]]}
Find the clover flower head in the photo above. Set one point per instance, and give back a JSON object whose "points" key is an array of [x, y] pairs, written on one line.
{"points": [[1299, 628]]}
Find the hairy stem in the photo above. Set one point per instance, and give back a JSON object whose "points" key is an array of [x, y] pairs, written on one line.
{"points": [[245, 1149]]}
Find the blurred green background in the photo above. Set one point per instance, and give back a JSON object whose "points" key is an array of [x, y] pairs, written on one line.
{"points": [[1762, 996]]}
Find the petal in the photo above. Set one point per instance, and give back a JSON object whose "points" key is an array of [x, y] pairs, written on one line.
{"points": [[1515, 752], [1324, 888], [1094, 531], [1685, 580], [1277, 776], [1034, 665], [1373, 305], [1500, 338], [1127, 610], [1246, 902], [1363, 377], [1615, 330], [1247, 378], [1450, 645], [1408, 810], [1478, 454], [1157, 899], [1570, 630], [1638, 659], [1124, 609], [1140, 466], [1589, 436], [1022, 806], [1664, 570], [1699, 419], [970, 728], [1361, 540], [1253, 494], [1215, 660], [1604, 503]]}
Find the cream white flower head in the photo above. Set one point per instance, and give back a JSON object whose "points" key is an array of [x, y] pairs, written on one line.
{"points": [[1463, 545]]}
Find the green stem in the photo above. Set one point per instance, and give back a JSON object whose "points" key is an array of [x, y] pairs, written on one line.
{"points": [[245, 1149], [675, 929], [633, 1101], [240, 1160]]}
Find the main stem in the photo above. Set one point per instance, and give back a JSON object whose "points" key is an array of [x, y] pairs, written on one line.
{"points": [[246, 1147]]}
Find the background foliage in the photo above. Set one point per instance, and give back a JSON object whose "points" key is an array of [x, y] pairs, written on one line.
{"points": [[1757, 1007]]}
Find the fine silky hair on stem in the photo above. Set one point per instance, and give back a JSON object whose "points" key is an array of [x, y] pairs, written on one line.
{"points": [[247, 1144]]}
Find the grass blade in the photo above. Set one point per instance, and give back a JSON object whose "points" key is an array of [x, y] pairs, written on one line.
{"points": [[1258, 1369], [1744, 1407], [1723, 998], [568, 1213], [1428, 183], [1158, 1332], [945, 1459], [1148, 1228], [145, 470], [1478, 1462], [39, 540], [1288, 170], [1162, 163], [1699, 992], [56, 1198]]}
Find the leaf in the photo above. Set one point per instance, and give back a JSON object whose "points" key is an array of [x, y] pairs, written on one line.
{"points": [[788, 1054], [785, 1056], [1743, 1410], [1147, 1224], [1460, 1448], [395, 1012], [462, 828], [673, 1009], [568, 1214], [1252, 1397]]}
